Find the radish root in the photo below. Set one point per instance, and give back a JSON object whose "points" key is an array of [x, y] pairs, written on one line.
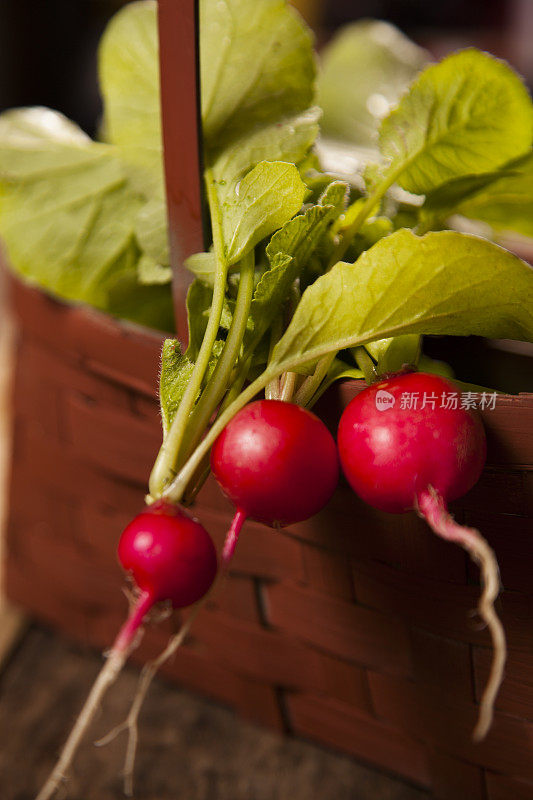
{"points": [[432, 507], [106, 678], [127, 639], [130, 724]]}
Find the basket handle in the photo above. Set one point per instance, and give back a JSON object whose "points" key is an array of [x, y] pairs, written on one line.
{"points": [[178, 22]]}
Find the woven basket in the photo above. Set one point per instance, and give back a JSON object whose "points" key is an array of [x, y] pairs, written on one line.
{"points": [[353, 629]]}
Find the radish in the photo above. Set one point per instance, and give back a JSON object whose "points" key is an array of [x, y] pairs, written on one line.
{"points": [[169, 555], [171, 558], [398, 457], [277, 463]]}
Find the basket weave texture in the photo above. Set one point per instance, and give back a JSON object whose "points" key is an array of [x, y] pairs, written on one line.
{"points": [[353, 629]]}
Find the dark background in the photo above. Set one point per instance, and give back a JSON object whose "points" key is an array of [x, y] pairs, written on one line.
{"points": [[48, 47]]}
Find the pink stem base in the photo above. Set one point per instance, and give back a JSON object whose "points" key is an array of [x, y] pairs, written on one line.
{"points": [[232, 537], [129, 630]]}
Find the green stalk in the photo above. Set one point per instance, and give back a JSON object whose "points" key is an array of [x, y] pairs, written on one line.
{"points": [[273, 389], [366, 209], [288, 385], [174, 492], [220, 378], [365, 364], [167, 459], [311, 384], [289, 380], [202, 471], [243, 368]]}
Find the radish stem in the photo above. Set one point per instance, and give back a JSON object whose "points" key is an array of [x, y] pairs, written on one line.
{"points": [[232, 537], [288, 385], [432, 507], [166, 462], [123, 645], [309, 387], [366, 210], [220, 378]]}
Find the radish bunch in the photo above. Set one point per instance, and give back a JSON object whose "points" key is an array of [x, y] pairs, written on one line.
{"points": [[278, 464], [398, 458]]}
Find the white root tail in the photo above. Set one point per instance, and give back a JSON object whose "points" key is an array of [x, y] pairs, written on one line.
{"points": [[432, 507], [148, 673], [108, 675], [127, 639]]}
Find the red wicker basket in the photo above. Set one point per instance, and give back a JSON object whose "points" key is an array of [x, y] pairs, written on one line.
{"points": [[353, 629]]}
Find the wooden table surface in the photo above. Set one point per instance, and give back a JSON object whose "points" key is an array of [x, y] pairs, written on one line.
{"points": [[190, 749]]}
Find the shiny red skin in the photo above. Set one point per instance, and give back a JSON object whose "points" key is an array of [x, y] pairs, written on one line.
{"points": [[277, 462], [390, 455], [169, 554]]}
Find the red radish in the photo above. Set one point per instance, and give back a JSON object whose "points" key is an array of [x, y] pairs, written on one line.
{"points": [[398, 457], [169, 555], [277, 463], [171, 558]]}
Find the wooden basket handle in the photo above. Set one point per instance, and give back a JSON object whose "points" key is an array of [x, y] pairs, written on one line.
{"points": [[181, 122]]}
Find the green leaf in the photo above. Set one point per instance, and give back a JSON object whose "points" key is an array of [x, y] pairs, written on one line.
{"points": [[286, 139], [256, 161], [127, 298], [371, 231], [338, 371], [37, 140], [391, 355], [259, 102], [176, 371], [257, 65], [67, 213], [441, 283], [365, 69], [151, 230], [505, 204], [335, 194], [150, 272], [301, 236], [266, 198], [129, 80], [288, 252], [446, 198], [271, 292], [435, 366], [199, 299], [469, 114], [203, 266]]}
